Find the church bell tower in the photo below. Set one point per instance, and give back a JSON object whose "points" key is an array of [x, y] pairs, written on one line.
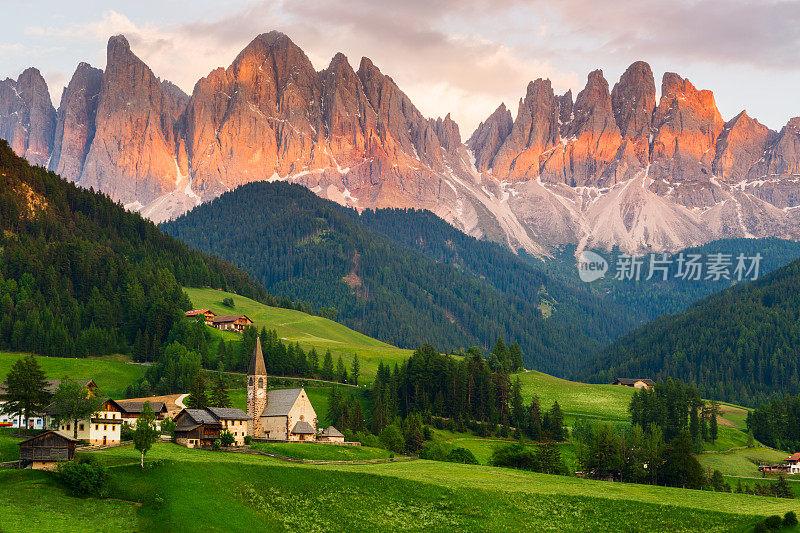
{"points": [[256, 391]]}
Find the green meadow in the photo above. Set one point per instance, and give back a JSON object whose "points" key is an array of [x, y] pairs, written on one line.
{"points": [[310, 331], [112, 374], [187, 490]]}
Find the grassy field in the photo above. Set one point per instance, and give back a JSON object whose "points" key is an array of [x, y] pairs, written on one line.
{"points": [[9, 451], [309, 331], [741, 463], [324, 452], [112, 374], [609, 402]]}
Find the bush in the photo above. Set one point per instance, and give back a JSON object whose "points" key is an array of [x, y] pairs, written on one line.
{"points": [[435, 451], [790, 519], [228, 302], [227, 439], [461, 455], [217, 444], [168, 428], [514, 456], [392, 439], [86, 477], [248, 440], [126, 433], [773, 523]]}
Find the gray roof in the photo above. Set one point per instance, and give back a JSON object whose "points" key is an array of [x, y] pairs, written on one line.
{"points": [[229, 318], [228, 413], [280, 401], [631, 381], [303, 428], [48, 432], [202, 416], [331, 431], [138, 407], [257, 366]]}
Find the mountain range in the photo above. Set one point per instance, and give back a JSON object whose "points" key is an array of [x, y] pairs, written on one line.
{"points": [[609, 167]]}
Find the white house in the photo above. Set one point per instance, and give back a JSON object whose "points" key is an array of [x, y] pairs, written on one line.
{"points": [[103, 427], [794, 463]]}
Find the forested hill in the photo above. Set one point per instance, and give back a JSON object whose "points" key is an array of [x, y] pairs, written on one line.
{"points": [[80, 275], [739, 345], [454, 293]]}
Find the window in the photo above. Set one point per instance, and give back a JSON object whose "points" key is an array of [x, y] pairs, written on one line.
{"points": [[260, 383], [81, 427], [105, 428], [97, 427], [67, 427], [251, 381]]}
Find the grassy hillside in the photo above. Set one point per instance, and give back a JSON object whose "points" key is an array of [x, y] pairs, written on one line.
{"points": [[309, 331], [609, 402], [112, 374], [256, 491]]}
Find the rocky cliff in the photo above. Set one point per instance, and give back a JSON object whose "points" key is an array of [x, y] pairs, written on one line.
{"points": [[611, 167]]}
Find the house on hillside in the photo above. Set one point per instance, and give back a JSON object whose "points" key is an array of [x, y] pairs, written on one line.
{"points": [[38, 421], [199, 428], [45, 450], [289, 416], [131, 411], [330, 434], [207, 314], [636, 383], [237, 323], [103, 428], [793, 462]]}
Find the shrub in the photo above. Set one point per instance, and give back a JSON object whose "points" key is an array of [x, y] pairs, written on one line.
{"points": [[228, 302], [168, 427], [514, 456], [773, 523], [86, 477], [435, 451], [248, 440], [790, 519], [461, 455], [217, 444], [392, 439], [126, 433], [226, 438]]}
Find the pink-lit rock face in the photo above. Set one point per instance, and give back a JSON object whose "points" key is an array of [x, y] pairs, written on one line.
{"points": [[611, 167]]}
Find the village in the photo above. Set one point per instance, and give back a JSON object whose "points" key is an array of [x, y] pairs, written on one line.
{"points": [[273, 415]]}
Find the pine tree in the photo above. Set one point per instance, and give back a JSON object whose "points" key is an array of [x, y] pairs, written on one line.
{"points": [[26, 392], [355, 370], [197, 397], [219, 396], [712, 422], [334, 405], [327, 366], [341, 371]]}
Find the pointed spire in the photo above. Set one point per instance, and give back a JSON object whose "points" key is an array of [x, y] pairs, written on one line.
{"points": [[257, 366]]}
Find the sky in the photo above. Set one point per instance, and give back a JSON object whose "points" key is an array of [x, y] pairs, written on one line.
{"points": [[462, 57]]}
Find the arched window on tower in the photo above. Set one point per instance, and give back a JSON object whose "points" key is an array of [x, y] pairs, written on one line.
{"points": [[260, 383], [251, 381]]}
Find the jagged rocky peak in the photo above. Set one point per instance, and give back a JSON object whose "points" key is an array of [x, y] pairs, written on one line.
{"points": [[593, 107], [447, 132], [633, 100], [782, 158], [27, 116], [176, 98], [740, 146], [686, 125], [75, 126], [489, 136], [132, 156]]}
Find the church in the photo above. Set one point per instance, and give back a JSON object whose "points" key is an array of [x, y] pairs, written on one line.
{"points": [[280, 414]]}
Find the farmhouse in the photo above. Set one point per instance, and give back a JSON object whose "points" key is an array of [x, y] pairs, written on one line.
{"points": [[15, 420], [330, 434], [207, 314], [281, 414], [237, 323], [45, 450], [636, 383], [199, 428], [131, 411], [793, 462], [102, 428]]}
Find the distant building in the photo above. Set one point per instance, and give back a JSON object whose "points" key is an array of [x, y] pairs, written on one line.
{"points": [[330, 434], [199, 428], [131, 411], [281, 414], [38, 421], [103, 428], [793, 461], [237, 323], [45, 450], [636, 383], [207, 314]]}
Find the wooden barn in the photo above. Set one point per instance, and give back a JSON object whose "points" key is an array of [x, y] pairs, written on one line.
{"points": [[46, 450], [237, 323], [207, 314]]}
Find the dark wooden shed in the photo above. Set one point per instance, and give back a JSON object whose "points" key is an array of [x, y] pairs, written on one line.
{"points": [[47, 449]]}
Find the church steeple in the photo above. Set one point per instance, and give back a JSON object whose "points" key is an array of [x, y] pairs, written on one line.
{"points": [[257, 366], [256, 391]]}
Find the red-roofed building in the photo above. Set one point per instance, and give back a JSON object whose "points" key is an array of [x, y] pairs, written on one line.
{"points": [[794, 463], [207, 314]]}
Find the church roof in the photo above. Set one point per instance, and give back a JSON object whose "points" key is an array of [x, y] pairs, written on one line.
{"points": [[228, 413], [303, 428], [257, 366], [281, 401]]}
